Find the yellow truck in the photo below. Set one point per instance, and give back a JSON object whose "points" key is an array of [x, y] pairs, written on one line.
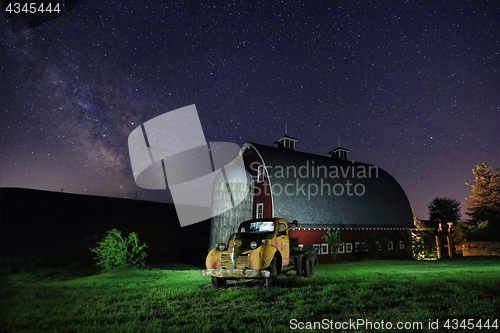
{"points": [[261, 249]]}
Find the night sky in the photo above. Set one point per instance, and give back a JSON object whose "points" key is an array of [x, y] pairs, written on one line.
{"points": [[410, 86]]}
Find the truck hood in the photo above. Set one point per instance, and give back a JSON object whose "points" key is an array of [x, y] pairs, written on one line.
{"points": [[240, 243]]}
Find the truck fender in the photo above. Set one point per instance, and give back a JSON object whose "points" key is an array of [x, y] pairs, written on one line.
{"points": [[261, 257], [272, 253], [213, 258]]}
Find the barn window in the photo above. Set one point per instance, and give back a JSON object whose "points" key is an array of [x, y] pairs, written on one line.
{"points": [[324, 248], [401, 245], [317, 247], [390, 245], [260, 173], [348, 247], [341, 248], [260, 211], [364, 247], [357, 247]]}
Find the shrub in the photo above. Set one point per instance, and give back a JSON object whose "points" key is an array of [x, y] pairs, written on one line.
{"points": [[423, 241], [115, 251], [423, 244], [482, 231], [375, 246]]}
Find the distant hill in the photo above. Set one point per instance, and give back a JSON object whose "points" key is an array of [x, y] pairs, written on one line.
{"points": [[62, 226]]}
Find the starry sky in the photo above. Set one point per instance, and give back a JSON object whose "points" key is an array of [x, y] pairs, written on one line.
{"points": [[410, 86]]}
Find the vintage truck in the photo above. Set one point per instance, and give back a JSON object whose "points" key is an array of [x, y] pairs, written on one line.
{"points": [[261, 249]]}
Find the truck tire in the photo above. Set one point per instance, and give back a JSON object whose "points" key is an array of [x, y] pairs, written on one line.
{"points": [[298, 267], [273, 270], [218, 282], [308, 267]]}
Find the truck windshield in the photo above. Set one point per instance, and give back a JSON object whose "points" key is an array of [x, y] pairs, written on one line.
{"points": [[249, 226]]}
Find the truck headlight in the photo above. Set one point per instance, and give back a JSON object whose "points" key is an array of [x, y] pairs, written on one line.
{"points": [[222, 247], [253, 245], [264, 241]]}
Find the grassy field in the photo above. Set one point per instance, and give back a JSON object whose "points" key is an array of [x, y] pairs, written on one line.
{"points": [[179, 299]]}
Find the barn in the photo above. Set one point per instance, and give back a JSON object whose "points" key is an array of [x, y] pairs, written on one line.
{"points": [[362, 202]]}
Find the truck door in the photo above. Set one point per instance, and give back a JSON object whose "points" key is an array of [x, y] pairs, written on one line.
{"points": [[284, 243]]}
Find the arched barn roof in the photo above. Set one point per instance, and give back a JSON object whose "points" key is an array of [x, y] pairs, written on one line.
{"points": [[378, 202]]}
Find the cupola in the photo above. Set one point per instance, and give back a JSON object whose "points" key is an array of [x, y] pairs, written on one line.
{"points": [[340, 153], [286, 142]]}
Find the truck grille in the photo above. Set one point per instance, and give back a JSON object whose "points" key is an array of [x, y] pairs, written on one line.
{"points": [[237, 245], [226, 261], [243, 261]]}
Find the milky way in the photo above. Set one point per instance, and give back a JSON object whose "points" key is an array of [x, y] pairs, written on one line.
{"points": [[410, 86]]}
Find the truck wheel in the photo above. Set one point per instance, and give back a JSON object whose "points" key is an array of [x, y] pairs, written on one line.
{"points": [[273, 270], [298, 267], [218, 282], [309, 267]]}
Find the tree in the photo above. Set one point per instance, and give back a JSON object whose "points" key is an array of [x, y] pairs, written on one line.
{"points": [[333, 240], [441, 212], [484, 200], [444, 210]]}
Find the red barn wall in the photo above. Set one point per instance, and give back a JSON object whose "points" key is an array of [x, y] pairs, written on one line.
{"points": [[309, 237]]}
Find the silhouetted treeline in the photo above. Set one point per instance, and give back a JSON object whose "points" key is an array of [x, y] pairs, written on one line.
{"points": [[60, 227]]}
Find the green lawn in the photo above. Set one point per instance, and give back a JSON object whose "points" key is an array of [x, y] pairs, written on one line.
{"points": [[181, 300]]}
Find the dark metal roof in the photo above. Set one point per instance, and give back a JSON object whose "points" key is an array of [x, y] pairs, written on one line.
{"points": [[383, 204]]}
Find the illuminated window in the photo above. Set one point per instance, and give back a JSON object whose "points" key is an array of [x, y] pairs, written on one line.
{"points": [[341, 248], [348, 247], [401, 245], [324, 248], [390, 245], [260, 211], [260, 173]]}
